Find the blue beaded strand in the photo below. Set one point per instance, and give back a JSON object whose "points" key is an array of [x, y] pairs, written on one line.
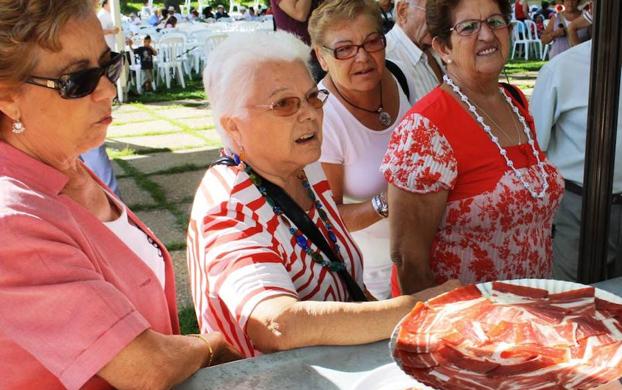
{"points": [[302, 241]]}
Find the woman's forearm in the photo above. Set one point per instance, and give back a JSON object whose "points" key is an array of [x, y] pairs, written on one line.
{"points": [[157, 361], [284, 323], [358, 216]]}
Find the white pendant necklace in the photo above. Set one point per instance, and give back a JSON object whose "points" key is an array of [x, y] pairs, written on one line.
{"points": [[495, 140]]}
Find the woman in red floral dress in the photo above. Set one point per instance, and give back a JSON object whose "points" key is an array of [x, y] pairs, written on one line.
{"points": [[472, 196]]}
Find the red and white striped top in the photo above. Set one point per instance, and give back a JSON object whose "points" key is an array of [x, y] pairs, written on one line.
{"points": [[240, 253]]}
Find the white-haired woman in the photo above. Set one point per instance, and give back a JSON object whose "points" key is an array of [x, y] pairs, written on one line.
{"points": [[271, 262]]}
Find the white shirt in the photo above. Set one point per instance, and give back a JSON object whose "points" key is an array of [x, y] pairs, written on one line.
{"points": [[420, 76], [360, 150], [559, 106], [105, 19], [139, 242]]}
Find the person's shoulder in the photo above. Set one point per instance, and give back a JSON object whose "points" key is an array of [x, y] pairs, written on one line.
{"points": [[571, 58]]}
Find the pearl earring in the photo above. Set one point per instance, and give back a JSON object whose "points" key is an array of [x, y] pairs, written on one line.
{"points": [[448, 61], [18, 127]]}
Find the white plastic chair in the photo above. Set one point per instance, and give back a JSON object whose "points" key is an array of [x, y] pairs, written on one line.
{"points": [[171, 54], [519, 37], [198, 57], [532, 38], [211, 41]]}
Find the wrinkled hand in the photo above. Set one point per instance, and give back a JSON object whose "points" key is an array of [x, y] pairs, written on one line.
{"points": [[431, 292], [223, 351]]}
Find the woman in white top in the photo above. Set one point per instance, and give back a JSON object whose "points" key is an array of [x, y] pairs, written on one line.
{"points": [[365, 104]]}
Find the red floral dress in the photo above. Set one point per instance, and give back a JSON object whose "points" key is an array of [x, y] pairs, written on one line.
{"points": [[492, 229]]}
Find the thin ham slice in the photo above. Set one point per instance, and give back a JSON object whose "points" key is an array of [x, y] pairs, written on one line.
{"points": [[522, 291], [519, 338]]}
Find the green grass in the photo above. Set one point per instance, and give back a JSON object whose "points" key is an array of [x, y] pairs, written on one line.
{"points": [[522, 66], [193, 91], [188, 320]]}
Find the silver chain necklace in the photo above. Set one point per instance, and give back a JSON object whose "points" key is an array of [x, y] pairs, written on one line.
{"points": [[495, 140]]}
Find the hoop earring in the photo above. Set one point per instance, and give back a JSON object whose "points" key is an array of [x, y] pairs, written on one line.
{"points": [[18, 127]]}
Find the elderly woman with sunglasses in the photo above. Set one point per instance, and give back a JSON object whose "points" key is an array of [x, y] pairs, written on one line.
{"points": [[87, 294], [471, 194], [365, 105], [271, 262]]}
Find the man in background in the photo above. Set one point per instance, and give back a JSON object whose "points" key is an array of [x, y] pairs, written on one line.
{"points": [[97, 158], [559, 106], [409, 42]]}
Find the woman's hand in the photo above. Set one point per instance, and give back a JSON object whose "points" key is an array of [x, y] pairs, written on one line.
{"points": [[223, 351]]}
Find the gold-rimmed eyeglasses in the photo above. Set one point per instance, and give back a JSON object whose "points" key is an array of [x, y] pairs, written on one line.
{"points": [[290, 105]]}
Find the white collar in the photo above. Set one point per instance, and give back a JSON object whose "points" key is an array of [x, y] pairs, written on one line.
{"points": [[414, 51]]}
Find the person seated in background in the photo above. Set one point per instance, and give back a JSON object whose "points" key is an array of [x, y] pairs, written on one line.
{"points": [[545, 11], [409, 42], [154, 19], [471, 195], [145, 53], [87, 292], [171, 22], [146, 11], [560, 110], [271, 262], [164, 19], [366, 103], [220, 12], [539, 21], [207, 12]]}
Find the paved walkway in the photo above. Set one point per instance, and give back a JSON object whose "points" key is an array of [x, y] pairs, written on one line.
{"points": [[160, 152]]}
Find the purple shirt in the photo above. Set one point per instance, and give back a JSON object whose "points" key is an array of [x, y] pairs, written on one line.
{"points": [[72, 295], [286, 23]]}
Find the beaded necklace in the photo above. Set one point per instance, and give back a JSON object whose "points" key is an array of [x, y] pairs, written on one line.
{"points": [[302, 241], [495, 140]]}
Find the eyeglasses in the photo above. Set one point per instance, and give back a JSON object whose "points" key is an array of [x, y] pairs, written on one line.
{"points": [[472, 26], [290, 105], [83, 82], [374, 42]]}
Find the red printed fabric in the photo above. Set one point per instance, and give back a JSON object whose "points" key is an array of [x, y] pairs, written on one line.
{"points": [[240, 253], [518, 338], [492, 227]]}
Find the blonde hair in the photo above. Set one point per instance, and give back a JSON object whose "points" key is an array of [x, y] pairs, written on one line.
{"points": [[333, 12], [25, 26]]}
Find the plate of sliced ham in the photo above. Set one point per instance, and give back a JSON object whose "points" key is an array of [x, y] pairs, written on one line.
{"points": [[520, 334]]}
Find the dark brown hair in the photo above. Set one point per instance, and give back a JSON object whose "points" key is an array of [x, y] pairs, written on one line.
{"points": [[439, 16]]}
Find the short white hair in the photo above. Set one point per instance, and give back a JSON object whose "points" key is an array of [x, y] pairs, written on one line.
{"points": [[232, 66]]}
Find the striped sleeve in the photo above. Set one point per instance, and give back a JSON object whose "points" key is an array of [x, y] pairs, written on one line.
{"points": [[419, 158], [244, 260]]}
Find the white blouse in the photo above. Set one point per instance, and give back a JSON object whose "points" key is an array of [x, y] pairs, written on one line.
{"points": [[138, 242]]}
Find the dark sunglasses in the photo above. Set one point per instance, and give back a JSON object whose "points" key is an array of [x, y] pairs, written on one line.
{"points": [[374, 42], [290, 105], [472, 26], [83, 82]]}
